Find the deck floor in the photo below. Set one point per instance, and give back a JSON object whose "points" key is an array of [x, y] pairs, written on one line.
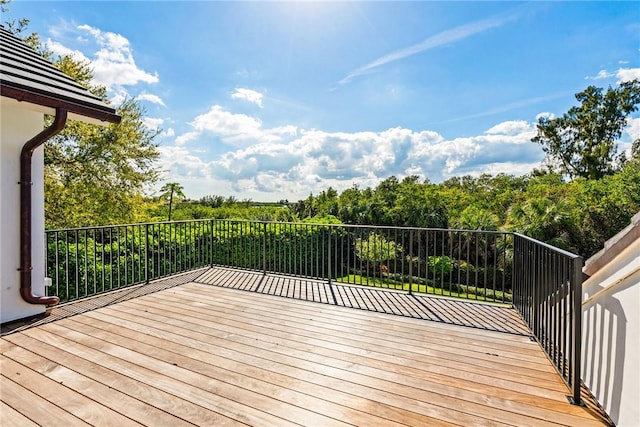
{"points": [[213, 355]]}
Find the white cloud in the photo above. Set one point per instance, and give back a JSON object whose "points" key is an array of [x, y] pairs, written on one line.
{"points": [[512, 127], [546, 115], [113, 63], [118, 95], [61, 50], [633, 128], [154, 99], [234, 129], [511, 168], [510, 107], [623, 74], [289, 163], [177, 161], [627, 74], [169, 133], [110, 57], [152, 123], [186, 137], [442, 38], [602, 74], [248, 95]]}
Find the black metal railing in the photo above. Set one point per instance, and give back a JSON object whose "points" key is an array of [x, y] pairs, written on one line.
{"points": [[542, 282], [466, 264], [547, 291], [82, 262]]}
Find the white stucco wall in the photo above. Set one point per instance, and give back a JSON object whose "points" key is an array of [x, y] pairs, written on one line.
{"points": [[611, 335], [18, 124]]}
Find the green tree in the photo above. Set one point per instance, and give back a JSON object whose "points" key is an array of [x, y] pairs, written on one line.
{"points": [[583, 142], [547, 220], [94, 175], [352, 206], [326, 203], [416, 205], [376, 249], [171, 190], [607, 206], [475, 218]]}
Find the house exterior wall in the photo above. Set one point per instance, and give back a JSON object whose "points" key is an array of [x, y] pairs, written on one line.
{"points": [[18, 124], [611, 333]]}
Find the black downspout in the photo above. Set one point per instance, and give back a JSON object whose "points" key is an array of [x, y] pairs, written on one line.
{"points": [[25, 209]]}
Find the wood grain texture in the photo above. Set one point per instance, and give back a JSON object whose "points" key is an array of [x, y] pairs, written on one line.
{"points": [[228, 355]]}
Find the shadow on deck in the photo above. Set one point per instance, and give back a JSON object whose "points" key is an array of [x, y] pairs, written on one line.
{"points": [[480, 315], [493, 317]]}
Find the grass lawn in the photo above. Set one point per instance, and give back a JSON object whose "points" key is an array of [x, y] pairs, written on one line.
{"points": [[355, 279]]}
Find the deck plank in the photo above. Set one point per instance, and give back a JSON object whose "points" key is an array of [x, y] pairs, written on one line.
{"points": [[236, 372], [270, 317], [11, 417], [443, 381], [192, 386], [297, 363], [60, 395], [390, 330], [113, 378], [108, 393], [224, 350], [34, 407]]}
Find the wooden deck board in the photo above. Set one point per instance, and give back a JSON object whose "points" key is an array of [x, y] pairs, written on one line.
{"points": [[34, 407], [11, 417], [204, 355], [393, 368], [59, 394], [153, 400], [128, 405]]}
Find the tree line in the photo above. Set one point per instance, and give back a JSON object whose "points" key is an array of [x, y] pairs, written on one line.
{"points": [[584, 193]]}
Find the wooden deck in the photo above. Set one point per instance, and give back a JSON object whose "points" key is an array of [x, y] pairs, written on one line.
{"points": [[212, 355]]}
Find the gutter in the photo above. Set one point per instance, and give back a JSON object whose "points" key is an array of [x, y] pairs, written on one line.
{"points": [[25, 94], [25, 208]]}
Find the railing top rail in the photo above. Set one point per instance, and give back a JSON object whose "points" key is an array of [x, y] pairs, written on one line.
{"points": [[136, 224], [390, 227], [306, 224], [548, 246]]}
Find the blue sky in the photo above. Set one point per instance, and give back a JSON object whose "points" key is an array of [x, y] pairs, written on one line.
{"points": [[270, 100]]}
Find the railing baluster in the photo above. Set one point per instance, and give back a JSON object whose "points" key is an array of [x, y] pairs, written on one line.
{"points": [[547, 291]]}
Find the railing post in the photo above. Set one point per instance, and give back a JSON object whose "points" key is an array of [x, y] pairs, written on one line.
{"points": [[411, 261], [329, 256], [515, 282], [146, 253], [535, 303], [264, 248], [211, 225], [577, 329]]}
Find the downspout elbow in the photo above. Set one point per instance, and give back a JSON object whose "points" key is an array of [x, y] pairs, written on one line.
{"points": [[25, 209]]}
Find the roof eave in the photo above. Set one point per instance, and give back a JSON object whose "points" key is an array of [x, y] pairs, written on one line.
{"points": [[102, 114]]}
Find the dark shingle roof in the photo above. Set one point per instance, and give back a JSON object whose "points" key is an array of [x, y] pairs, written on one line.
{"points": [[26, 76]]}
